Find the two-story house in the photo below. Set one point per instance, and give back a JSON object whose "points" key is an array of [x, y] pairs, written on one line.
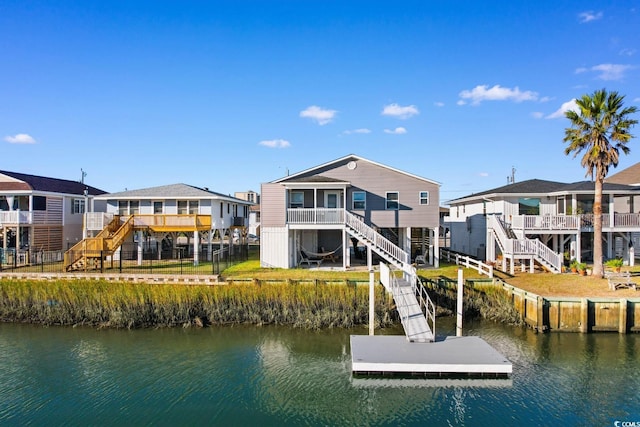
{"points": [[162, 222], [39, 213], [337, 209], [544, 222]]}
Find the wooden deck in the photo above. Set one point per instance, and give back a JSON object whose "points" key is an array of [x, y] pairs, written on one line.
{"points": [[453, 356]]}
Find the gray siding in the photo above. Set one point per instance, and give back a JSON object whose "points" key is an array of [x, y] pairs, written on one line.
{"points": [[273, 206], [377, 181]]}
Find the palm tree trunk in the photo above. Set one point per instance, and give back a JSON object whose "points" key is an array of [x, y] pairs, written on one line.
{"points": [[597, 229]]}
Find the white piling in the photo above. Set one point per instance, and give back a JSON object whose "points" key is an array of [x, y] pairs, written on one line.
{"points": [[459, 305], [372, 293]]}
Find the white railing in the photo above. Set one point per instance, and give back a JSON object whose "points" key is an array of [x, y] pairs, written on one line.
{"points": [[573, 222], [97, 221], [546, 222], [16, 217], [427, 306], [466, 261], [368, 233], [525, 247], [315, 216]]}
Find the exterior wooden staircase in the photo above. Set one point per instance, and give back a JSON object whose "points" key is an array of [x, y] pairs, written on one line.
{"points": [[88, 252], [513, 247]]}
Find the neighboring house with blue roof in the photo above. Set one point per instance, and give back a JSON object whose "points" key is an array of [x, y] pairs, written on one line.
{"points": [[39, 213], [538, 221]]}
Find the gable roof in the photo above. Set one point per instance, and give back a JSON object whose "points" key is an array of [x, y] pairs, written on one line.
{"points": [[172, 191], [292, 178], [542, 187], [25, 182], [628, 176]]}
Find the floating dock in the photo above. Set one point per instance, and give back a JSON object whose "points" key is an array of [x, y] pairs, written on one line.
{"points": [[453, 356]]}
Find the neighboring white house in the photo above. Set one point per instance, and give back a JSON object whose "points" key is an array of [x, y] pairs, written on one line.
{"points": [[42, 214], [337, 209], [541, 221], [164, 222]]}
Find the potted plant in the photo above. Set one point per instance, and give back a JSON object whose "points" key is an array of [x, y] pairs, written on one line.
{"points": [[573, 265], [582, 268], [615, 264]]}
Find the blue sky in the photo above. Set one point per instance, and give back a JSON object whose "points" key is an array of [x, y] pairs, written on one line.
{"points": [[230, 94]]}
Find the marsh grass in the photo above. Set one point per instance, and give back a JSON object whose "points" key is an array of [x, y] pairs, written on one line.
{"points": [[312, 305]]}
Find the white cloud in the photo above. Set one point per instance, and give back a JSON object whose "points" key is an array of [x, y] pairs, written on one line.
{"points": [[318, 114], [627, 52], [607, 71], [636, 100], [400, 112], [559, 113], [537, 115], [545, 99], [20, 138], [483, 174], [361, 130], [611, 71], [439, 104], [461, 102], [496, 93], [396, 131], [275, 143], [589, 16]]}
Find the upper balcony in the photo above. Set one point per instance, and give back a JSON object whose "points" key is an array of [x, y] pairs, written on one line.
{"points": [[315, 217], [622, 222], [16, 218]]}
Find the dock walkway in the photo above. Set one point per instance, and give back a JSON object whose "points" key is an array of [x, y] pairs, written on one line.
{"points": [[413, 319]]}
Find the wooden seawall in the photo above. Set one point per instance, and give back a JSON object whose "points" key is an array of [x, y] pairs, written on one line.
{"points": [[567, 314]]}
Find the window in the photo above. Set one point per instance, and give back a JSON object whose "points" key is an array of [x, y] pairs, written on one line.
{"points": [[134, 207], [529, 206], [39, 203], [158, 208], [297, 199], [424, 197], [77, 207], [123, 208], [359, 200], [182, 207], [194, 207], [392, 200]]}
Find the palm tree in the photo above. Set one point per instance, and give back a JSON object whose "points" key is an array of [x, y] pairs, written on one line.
{"points": [[600, 128]]}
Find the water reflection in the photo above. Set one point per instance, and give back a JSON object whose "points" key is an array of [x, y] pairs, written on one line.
{"points": [[282, 376]]}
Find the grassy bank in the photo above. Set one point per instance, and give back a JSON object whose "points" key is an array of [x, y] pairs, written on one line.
{"points": [[480, 299], [134, 305]]}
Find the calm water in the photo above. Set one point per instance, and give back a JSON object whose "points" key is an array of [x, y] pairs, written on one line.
{"points": [[279, 376]]}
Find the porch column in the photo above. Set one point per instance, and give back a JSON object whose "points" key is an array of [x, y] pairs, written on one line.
{"points": [[346, 253], [632, 255], [406, 242], [196, 247], [579, 247], [434, 256], [610, 243], [140, 241], [611, 212], [210, 246], [490, 247]]}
